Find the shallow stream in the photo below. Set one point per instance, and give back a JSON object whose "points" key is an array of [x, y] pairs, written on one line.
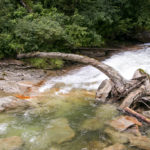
{"points": [[66, 117]]}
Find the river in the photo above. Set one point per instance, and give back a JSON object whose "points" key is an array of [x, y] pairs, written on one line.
{"points": [[66, 117]]}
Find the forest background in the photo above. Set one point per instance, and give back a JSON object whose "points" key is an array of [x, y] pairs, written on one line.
{"points": [[63, 25]]}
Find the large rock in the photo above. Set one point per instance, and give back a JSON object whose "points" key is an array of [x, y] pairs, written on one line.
{"points": [[59, 131], [11, 143], [10, 102]]}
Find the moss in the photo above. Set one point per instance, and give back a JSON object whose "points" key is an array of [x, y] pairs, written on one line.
{"points": [[142, 71], [45, 63]]}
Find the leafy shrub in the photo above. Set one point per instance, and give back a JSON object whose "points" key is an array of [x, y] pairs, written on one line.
{"points": [[45, 63]]}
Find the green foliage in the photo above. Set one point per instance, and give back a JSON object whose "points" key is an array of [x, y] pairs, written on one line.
{"points": [[64, 24], [41, 33], [45, 63]]}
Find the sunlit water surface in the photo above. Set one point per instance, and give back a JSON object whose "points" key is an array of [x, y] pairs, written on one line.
{"points": [[64, 120]]}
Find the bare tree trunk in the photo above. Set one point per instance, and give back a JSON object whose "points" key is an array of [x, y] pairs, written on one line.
{"points": [[25, 6], [119, 82]]}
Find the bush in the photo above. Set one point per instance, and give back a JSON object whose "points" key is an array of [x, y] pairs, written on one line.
{"points": [[45, 63]]}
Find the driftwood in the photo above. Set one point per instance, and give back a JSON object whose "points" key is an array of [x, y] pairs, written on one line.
{"points": [[116, 88], [137, 115], [132, 97]]}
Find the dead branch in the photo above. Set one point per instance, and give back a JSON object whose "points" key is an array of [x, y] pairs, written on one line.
{"points": [[137, 115]]}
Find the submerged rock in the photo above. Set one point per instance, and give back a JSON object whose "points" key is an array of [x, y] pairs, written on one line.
{"points": [[10, 143], [96, 145], [104, 113], [59, 131], [10, 102], [91, 124], [141, 142], [116, 147], [117, 137]]}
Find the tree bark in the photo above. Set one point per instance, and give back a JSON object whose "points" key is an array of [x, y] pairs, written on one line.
{"points": [[133, 96], [119, 82]]}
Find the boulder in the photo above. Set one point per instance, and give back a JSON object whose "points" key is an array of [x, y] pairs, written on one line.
{"points": [[59, 131]]}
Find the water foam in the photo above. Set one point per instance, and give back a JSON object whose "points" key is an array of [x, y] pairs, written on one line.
{"points": [[89, 78]]}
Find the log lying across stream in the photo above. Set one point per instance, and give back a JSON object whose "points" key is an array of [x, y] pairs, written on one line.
{"points": [[130, 95]]}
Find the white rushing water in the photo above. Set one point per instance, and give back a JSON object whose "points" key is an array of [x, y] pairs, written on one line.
{"points": [[89, 78]]}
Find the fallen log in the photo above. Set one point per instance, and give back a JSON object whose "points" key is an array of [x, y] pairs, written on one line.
{"points": [[119, 82]]}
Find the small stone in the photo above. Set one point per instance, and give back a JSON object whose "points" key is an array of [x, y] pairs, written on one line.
{"points": [[10, 143], [116, 147]]}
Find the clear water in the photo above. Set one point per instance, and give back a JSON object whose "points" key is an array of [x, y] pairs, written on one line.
{"points": [[66, 117]]}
